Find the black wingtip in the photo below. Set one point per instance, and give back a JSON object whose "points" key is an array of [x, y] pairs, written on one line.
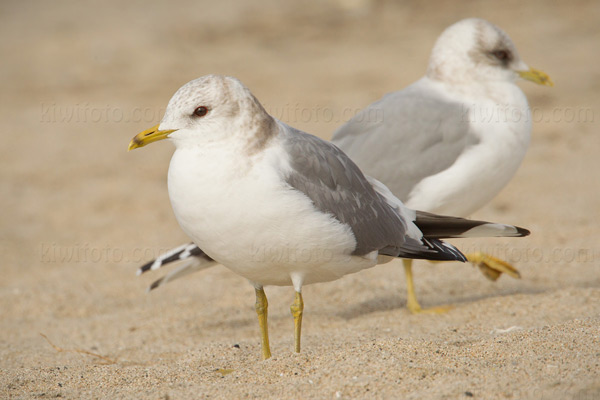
{"points": [[522, 231], [145, 268], [435, 250], [447, 251]]}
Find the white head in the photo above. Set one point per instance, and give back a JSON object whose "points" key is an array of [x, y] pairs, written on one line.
{"points": [[211, 109], [475, 50]]}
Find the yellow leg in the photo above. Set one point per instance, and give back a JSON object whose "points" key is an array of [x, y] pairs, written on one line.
{"points": [[261, 310], [411, 297], [492, 267], [297, 308]]}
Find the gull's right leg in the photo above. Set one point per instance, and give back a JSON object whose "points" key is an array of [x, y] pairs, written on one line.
{"points": [[261, 310]]}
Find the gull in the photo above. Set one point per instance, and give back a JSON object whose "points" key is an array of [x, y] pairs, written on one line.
{"points": [[446, 144], [279, 206], [449, 142]]}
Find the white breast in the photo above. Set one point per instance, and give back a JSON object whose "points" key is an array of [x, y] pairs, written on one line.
{"points": [[243, 215]]}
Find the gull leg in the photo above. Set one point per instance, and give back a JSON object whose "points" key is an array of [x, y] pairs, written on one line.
{"points": [[297, 309], [411, 298], [492, 267], [261, 310]]}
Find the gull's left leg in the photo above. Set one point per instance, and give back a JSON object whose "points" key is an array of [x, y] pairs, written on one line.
{"points": [[411, 297], [491, 267], [297, 308]]}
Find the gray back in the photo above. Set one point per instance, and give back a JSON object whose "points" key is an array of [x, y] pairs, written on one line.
{"points": [[405, 137]]}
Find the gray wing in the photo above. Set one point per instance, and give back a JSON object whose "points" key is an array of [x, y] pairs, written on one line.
{"points": [[337, 186], [406, 136]]}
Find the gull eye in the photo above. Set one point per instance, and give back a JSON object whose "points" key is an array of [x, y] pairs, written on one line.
{"points": [[502, 55], [201, 111]]}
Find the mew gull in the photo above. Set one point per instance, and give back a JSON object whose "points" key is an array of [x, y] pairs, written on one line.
{"points": [[448, 143], [281, 207]]}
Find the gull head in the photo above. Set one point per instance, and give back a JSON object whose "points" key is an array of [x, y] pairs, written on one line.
{"points": [[208, 109], [476, 51]]}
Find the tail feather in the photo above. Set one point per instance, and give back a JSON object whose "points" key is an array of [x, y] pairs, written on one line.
{"points": [[177, 254], [440, 227], [194, 260]]}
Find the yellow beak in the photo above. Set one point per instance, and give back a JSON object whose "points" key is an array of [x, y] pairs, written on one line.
{"points": [[148, 136], [536, 76]]}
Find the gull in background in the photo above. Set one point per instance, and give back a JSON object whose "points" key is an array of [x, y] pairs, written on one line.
{"points": [[448, 143]]}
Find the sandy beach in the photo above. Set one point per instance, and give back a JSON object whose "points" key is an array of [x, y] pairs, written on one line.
{"points": [[80, 214]]}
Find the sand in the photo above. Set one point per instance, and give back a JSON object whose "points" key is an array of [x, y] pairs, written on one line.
{"points": [[80, 214]]}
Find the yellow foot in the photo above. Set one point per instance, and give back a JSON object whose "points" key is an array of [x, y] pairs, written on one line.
{"points": [[492, 267], [416, 309]]}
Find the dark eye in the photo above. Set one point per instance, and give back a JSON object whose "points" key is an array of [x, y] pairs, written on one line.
{"points": [[502, 55], [200, 111]]}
